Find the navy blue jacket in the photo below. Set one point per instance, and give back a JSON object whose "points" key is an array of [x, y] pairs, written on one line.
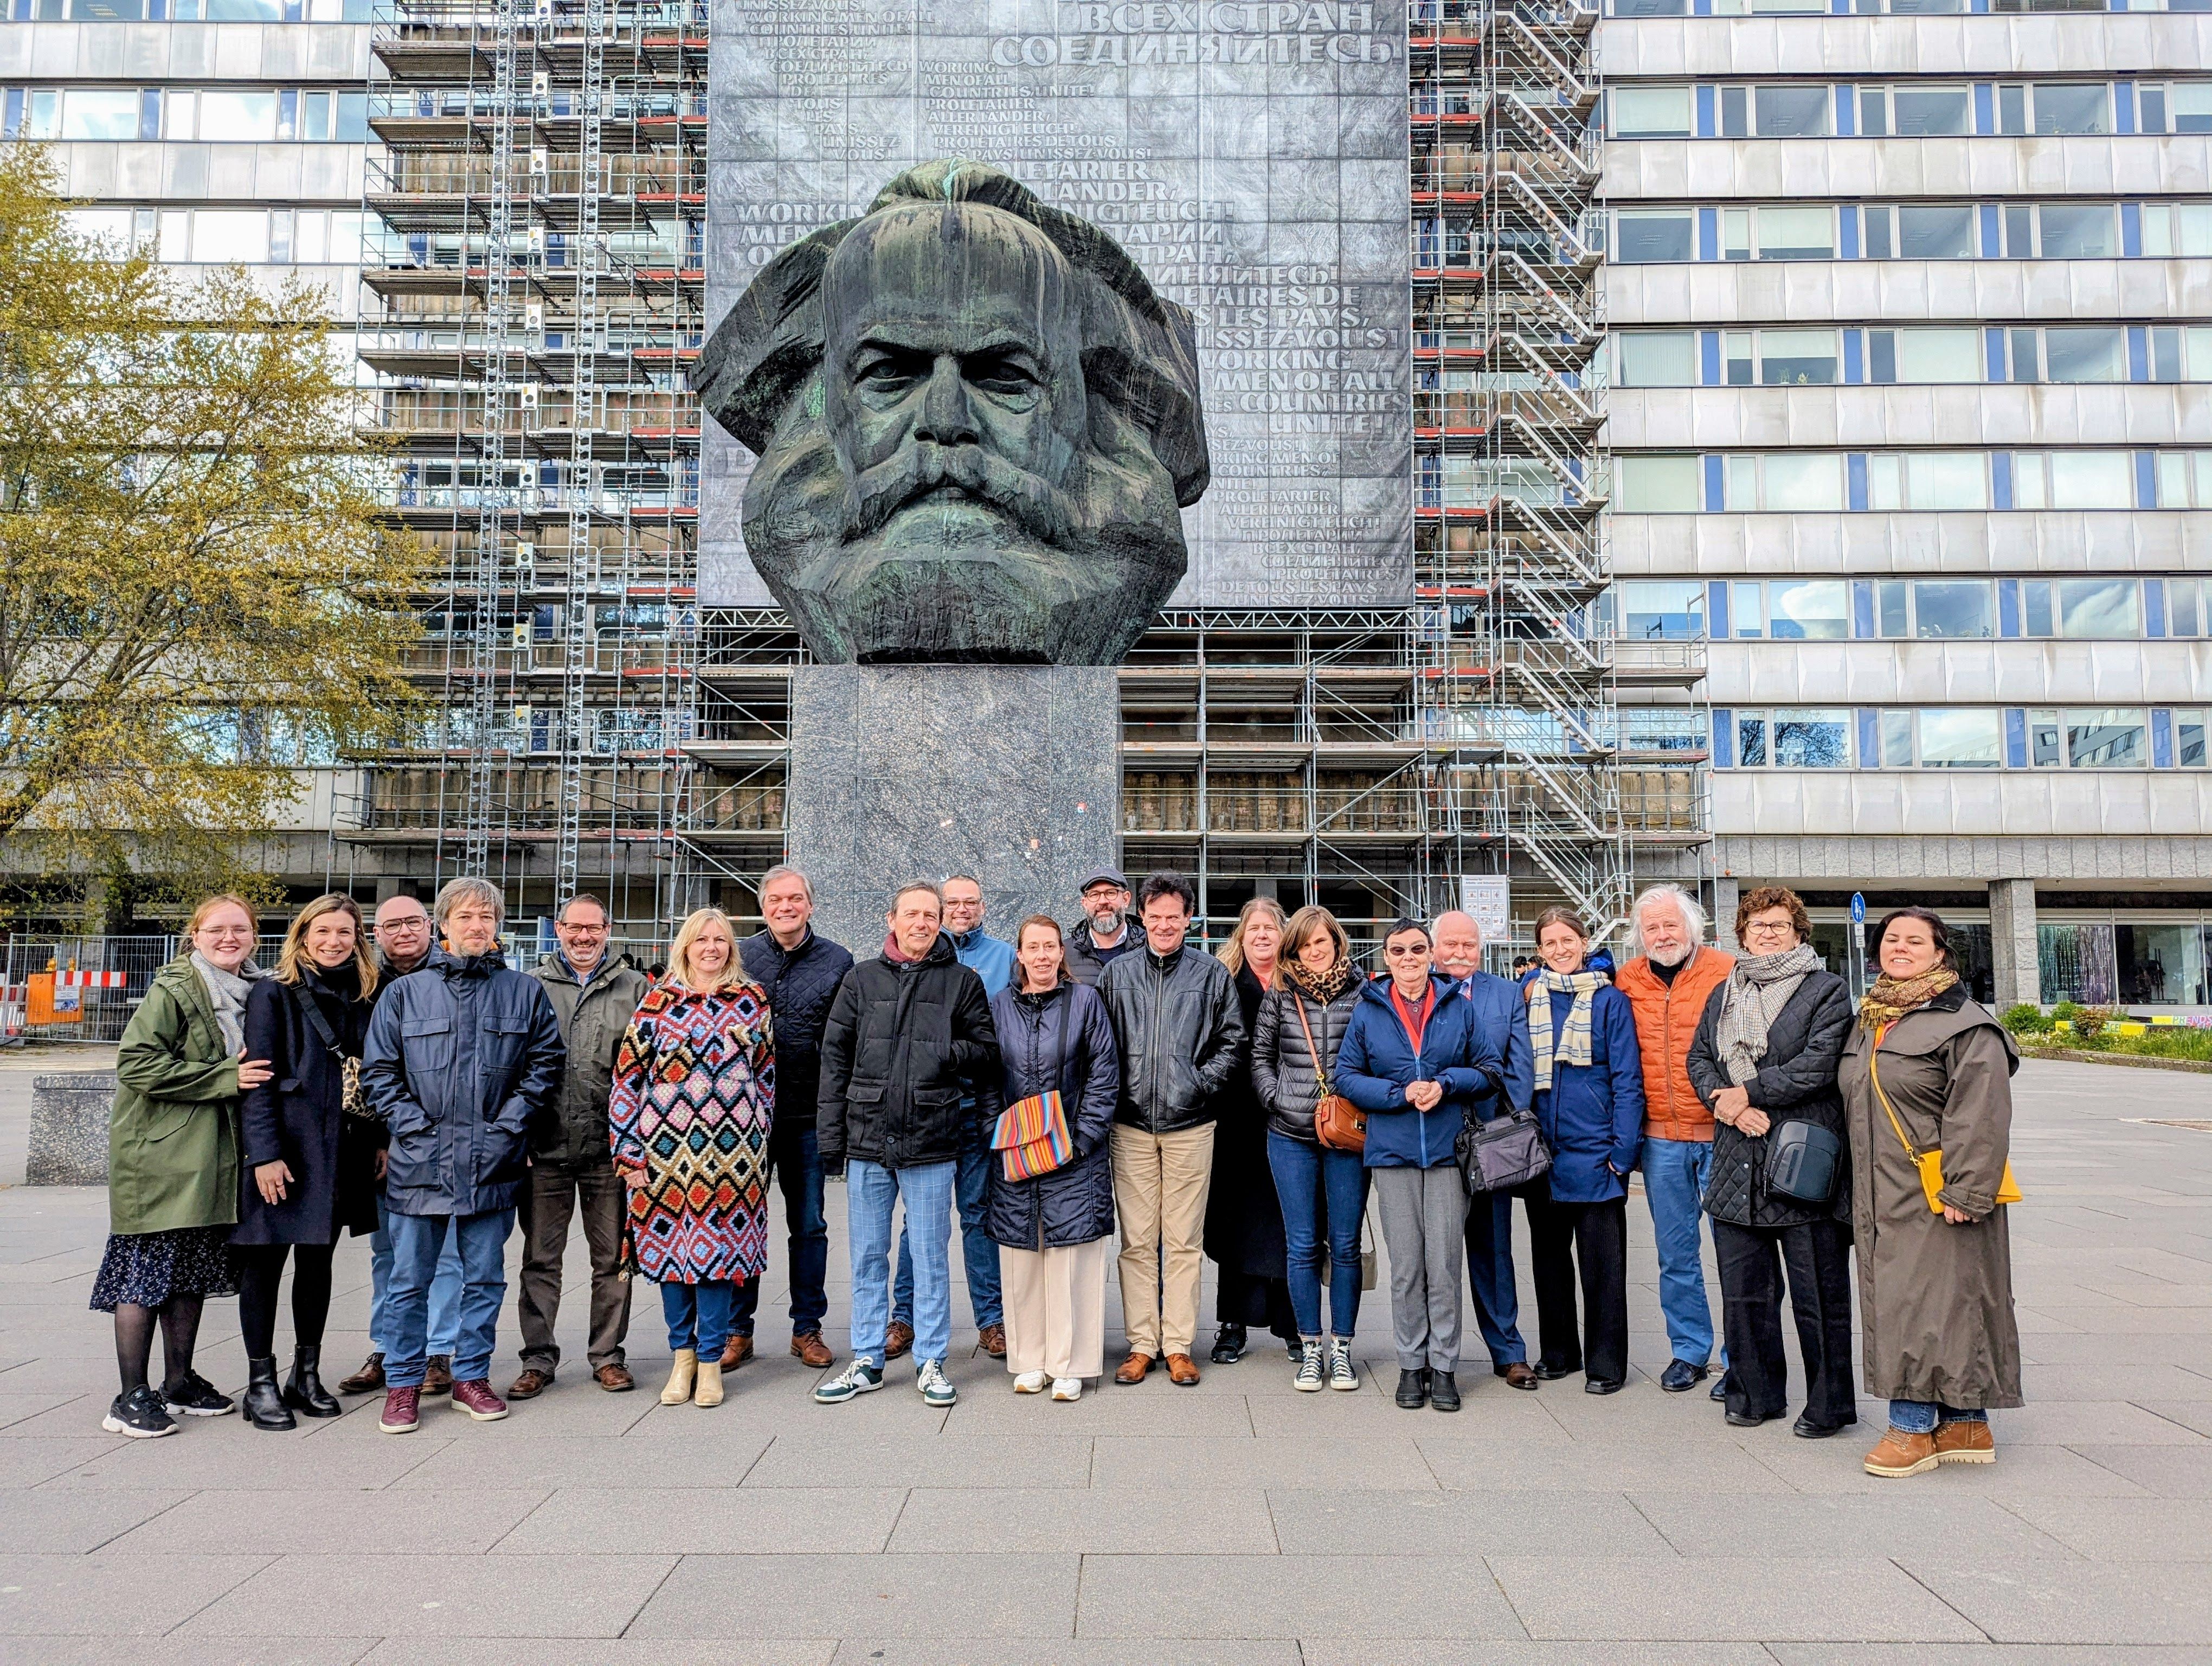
{"points": [[1501, 1014], [800, 983], [462, 1056], [1593, 1116], [1061, 1044], [1376, 1061]]}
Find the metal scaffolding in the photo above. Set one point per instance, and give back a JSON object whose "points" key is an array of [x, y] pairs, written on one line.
{"points": [[535, 284]]}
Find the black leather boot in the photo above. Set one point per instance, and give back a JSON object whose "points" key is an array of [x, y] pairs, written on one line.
{"points": [[1444, 1390], [305, 1392], [1413, 1390], [265, 1401]]}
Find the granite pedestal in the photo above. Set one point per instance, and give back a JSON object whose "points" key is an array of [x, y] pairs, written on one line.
{"points": [[1009, 773], [68, 1128]]}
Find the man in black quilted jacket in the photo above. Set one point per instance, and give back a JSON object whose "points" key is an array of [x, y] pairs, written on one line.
{"points": [[801, 973]]}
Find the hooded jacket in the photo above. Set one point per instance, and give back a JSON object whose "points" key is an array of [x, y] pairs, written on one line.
{"points": [[464, 1055], [172, 1135], [1180, 1032], [593, 1018], [1378, 1061], [1061, 1043], [902, 1040]]}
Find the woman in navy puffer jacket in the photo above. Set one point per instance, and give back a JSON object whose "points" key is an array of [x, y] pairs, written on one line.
{"points": [[1589, 1102], [1051, 1230], [1416, 1061]]}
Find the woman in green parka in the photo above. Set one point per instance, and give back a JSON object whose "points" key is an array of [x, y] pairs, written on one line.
{"points": [[172, 1167]]}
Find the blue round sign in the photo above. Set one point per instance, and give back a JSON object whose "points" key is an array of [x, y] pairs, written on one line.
{"points": [[1858, 909]]}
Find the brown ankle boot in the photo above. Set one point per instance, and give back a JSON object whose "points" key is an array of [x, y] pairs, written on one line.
{"points": [[1899, 1454], [1965, 1442]]}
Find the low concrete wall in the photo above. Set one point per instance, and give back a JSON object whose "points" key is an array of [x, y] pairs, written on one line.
{"points": [[68, 1128]]}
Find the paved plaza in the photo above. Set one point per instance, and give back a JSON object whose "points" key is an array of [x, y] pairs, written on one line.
{"points": [[1238, 1522]]}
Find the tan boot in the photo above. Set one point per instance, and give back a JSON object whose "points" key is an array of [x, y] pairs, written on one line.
{"points": [[1899, 1454], [1965, 1442], [681, 1374], [709, 1391]]}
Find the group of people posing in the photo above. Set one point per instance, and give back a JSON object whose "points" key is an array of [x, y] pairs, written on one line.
{"points": [[1241, 1105]]}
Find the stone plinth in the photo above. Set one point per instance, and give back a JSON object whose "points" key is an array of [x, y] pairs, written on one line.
{"points": [[68, 1128], [1010, 773]]}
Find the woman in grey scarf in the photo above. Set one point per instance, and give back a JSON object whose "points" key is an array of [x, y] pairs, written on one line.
{"points": [[1765, 1056]]}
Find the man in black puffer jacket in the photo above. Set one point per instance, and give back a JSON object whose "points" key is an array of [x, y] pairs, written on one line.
{"points": [[905, 1036], [801, 973], [1180, 1030]]}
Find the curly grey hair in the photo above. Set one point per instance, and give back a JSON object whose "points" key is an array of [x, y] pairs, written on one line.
{"points": [[1693, 917]]}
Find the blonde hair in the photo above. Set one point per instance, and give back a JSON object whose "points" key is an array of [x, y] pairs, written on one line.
{"points": [[1232, 953], [221, 900], [1304, 923], [1046, 922], [679, 952], [293, 960]]}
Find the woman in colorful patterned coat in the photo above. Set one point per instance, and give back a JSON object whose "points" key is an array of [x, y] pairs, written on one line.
{"points": [[694, 1101]]}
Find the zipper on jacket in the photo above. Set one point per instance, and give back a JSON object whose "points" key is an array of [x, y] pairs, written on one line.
{"points": [[1159, 1022]]}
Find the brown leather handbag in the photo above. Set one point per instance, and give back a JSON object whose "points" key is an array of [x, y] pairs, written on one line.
{"points": [[1337, 1123]]}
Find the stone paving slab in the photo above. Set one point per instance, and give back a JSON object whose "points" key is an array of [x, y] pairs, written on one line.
{"points": [[1237, 1523]]}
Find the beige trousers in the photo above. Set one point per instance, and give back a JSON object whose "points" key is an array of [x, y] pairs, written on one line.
{"points": [[1055, 1309], [1159, 1193]]}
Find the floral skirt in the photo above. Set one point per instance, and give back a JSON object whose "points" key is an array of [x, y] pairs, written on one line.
{"points": [[144, 1269]]}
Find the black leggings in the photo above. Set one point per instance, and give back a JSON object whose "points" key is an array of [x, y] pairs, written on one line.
{"points": [[260, 1270]]}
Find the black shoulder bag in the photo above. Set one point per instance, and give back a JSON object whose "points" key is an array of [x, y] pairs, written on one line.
{"points": [[1506, 1151], [351, 1100]]}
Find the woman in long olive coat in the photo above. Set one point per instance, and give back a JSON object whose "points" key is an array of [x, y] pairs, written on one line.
{"points": [[1934, 1288]]}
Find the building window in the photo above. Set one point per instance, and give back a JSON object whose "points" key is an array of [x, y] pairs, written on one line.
{"points": [[2112, 738], [1661, 609], [1810, 610], [1650, 112], [1656, 484], [1648, 238], [1656, 358]]}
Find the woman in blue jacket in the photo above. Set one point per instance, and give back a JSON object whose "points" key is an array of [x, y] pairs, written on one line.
{"points": [[1589, 1101], [1415, 1062]]}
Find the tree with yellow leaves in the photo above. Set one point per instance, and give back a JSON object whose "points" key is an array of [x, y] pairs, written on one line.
{"points": [[200, 592]]}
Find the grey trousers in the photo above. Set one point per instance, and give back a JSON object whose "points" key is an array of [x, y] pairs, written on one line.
{"points": [[552, 1193], [1424, 1230]]}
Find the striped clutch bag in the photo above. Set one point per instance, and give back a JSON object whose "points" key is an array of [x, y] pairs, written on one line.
{"points": [[1031, 1137]]}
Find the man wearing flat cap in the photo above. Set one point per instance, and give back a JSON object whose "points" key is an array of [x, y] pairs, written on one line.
{"points": [[1103, 934]]}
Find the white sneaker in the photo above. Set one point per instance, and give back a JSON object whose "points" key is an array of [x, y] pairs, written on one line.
{"points": [[936, 1387], [1341, 1376], [1031, 1382], [1312, 1373], [1067, 1388]]}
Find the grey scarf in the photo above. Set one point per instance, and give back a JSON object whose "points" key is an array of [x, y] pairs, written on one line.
{"points": [[1758, 987], [226, 993]]}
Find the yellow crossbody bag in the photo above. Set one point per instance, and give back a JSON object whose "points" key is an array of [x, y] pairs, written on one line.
{"points": [[1928, 1162]]}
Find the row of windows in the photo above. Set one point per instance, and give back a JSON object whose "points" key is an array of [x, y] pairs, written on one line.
{"points": [[1876, 8], [231, 115], [1825, 357], [1925, 609], [1906, 231], [1821, 482], [1958, 737], [190, 11], [213, 237], [1907, 110]]}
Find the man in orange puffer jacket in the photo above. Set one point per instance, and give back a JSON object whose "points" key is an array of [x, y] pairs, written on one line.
{"points": [[1668, 981]]}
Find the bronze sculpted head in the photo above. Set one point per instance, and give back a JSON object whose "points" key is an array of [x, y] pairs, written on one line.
{"points": [[975, 424]]}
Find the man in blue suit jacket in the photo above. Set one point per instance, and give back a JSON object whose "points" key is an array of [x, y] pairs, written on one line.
{"points": [[1503, 1016]]}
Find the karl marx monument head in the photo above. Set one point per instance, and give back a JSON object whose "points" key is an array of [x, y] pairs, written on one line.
{"points": [[975, 424]]}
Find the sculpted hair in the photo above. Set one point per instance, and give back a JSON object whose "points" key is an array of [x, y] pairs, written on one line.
{"points": [[293, 959]]}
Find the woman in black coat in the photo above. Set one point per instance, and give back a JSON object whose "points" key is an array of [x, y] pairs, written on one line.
{"points": [[1052, 1229], [1244, 1220], [1766, 1053], [306, 1170]]}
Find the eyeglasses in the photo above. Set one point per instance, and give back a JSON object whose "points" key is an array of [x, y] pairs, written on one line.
{"points": [[1769, 928], [580, 931]]}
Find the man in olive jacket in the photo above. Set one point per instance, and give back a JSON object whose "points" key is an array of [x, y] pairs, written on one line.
{"points": [[1182, 1035], [905, 1036], [463, 1056], [572, 1168]]}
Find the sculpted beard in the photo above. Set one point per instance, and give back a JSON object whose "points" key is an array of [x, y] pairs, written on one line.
{"points": [[1032, 502]]}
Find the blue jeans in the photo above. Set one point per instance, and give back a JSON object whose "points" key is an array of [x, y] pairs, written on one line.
{"points": [[417, 1241], [978, 1250], [870, 1189], [794, 1150], [697, 1313], [1489, 1277], [1920, 1417], [1308, 1178], [445, 1288], [1674, 1173]]}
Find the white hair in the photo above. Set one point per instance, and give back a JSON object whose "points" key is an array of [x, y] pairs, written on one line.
{"points": [[1694, 919]]}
